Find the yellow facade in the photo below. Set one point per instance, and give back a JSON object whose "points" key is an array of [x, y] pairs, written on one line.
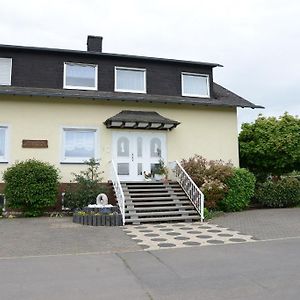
{"points": [[208, 131]]}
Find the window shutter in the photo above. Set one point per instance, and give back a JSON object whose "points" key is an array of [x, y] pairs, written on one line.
{"points": [[5, 71]]}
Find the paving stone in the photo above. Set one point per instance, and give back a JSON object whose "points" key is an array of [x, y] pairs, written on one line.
{"points": [[225, 235], [181, 238], [151, 234], [166, 245], [237, 240], [159, 240], [215, 242], [194, 232], [192, 243], [173, 233], [203, 236]]}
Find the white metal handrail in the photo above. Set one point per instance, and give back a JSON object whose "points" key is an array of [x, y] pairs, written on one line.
{"points": [[118, 190], [190, 188]]}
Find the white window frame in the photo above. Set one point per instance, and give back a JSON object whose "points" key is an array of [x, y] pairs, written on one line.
{"points": [[10, 70], [75, 87], [5, 157], [144, 91], [78, 160], [198, 75]]}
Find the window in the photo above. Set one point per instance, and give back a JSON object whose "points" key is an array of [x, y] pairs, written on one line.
{"points": [[3, 143], [79, 145], [195, 85], [130, 80], [80, 76], [5, 71]]}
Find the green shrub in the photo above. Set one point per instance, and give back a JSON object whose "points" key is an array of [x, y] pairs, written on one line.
{"points": [[210, 177], [85, 187], [241, 187], [282, 193], [31, 186]]}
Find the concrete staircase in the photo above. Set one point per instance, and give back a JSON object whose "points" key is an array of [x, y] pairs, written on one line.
{"points": [[147, 202]]}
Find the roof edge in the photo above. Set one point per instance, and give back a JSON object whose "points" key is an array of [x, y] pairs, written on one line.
{"points": [[104, 54]]}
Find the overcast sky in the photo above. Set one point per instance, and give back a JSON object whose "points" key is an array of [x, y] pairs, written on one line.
{"points": [[257, 41]]}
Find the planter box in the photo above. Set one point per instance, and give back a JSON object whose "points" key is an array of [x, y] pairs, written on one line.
{"points": [[98, 220]]}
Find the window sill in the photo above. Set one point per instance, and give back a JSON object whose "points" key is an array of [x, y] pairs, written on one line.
{"points": [[80, 88], [130, 91], [196, 96], [72, 162]]}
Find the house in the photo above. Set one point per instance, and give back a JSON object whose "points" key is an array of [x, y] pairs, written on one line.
{"points": [[65, 106]]}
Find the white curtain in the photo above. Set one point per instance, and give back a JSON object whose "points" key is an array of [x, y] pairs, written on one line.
{"points": [[80, 75], [132, 80], [5, 71], [195, 85], [79, 143], [2, 141]]}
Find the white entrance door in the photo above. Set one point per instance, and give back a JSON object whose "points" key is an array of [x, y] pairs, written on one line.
{"points": [[137, 152]]}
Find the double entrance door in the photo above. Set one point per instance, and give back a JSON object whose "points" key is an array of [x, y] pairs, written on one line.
{"points": [[135, 153]]}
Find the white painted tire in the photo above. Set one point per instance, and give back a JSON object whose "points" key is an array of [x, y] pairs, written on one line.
{"points": [[102, 199]]}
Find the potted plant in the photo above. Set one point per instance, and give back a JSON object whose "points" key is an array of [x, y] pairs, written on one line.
{"points": [[160, 170]]}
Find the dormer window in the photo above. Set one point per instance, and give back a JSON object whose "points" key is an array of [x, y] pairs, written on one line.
{"points": [[80, 76], [130, 80], [195, 85], [5, 71]]}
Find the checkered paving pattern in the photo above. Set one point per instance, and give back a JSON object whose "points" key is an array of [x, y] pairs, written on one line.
{"points": [[171, 235]]}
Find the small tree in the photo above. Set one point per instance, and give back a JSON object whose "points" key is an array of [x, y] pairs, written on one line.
{"points": [[31, 186], [85, 187], [210, 177], [271, 146]]}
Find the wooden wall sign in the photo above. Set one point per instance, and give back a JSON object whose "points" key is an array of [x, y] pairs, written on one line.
{"points": [[34, 143]]}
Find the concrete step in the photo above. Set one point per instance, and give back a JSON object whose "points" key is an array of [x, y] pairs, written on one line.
{"points": [[163, 219], [159, 208], [147, 185], [161, 213], [157, 202], [163, 194], [157, 198], [138, 190], [174, 202]]}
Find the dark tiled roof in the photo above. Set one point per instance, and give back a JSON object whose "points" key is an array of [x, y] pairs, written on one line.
{"points": [[223, 97], [93, 53], [140, 116], [140, 119]]}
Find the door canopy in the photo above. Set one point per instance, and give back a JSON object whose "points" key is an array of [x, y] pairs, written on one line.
{"points": [[130, 119]]}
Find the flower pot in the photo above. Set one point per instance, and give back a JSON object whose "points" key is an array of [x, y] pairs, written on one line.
{"points": [[107, 220], [159, 177], [105, 210], [94, 220]]}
